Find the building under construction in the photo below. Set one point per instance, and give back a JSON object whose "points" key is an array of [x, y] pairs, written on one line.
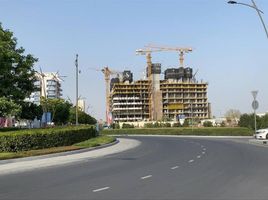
{"points": [[178, 95]]}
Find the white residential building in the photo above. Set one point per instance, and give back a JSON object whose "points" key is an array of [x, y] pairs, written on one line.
{"points": [[49, 85]]}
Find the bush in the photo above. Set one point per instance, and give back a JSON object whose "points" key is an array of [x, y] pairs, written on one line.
{"points": [[207, 124], [6, 129], [127, 125], [213, 131], [44, 138], [176, 124]]}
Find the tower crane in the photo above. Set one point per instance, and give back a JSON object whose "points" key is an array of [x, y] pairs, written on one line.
{"points": [[107, 77], [151, 92], [148, 51], [181, 50]]}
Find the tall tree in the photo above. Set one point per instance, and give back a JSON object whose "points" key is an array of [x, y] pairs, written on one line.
{"points": [[83, 118], [16, 69], [8, 108], [59, 109], [30, 111]]}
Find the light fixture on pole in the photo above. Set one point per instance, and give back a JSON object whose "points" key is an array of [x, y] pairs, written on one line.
{"points": [[254, 6]]}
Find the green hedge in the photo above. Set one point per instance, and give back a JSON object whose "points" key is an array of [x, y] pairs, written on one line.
{"points": [[9, 129], [44, 138], [213, 131]]}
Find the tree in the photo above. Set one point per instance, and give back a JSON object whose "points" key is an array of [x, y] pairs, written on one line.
{"points": [[248, 121], [62, 113], [233, 114], [30, 111], [83, 118], [59, 109], [264, 121], [8, 108], [16, 69]]}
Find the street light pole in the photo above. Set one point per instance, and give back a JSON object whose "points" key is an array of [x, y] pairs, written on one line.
{"points": [[254, 6], [76, 107]]}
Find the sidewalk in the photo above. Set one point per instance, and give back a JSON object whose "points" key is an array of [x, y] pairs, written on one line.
{"points": [[27, 164]]}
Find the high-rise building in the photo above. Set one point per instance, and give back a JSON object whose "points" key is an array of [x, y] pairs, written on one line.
{"points": [[49, 86], [178, 95]]}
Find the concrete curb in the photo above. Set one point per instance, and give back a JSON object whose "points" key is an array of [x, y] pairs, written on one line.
{"points": [[186, 136], [263, 143], [14, 160]]}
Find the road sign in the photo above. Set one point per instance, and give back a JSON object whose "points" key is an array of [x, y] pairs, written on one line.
{"points": [[255, 104], [254, 93]]}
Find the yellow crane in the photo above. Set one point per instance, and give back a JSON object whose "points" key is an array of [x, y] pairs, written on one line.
{"points": [[148, 51], [181, 50], [151, 92], [107, 77]]}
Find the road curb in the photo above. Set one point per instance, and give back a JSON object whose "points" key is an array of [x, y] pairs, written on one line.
{"points": [[14, 160], [186, 136], [263, 143]]}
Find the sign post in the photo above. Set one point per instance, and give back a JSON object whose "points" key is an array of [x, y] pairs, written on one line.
{"points": [[255, 106]]}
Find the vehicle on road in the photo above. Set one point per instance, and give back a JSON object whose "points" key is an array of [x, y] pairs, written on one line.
{"points": [[261, 134]]}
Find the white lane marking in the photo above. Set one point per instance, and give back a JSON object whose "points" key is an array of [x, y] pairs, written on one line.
{"points": [[198, 156], [175, 167], [101, 189], [204, 149], [203, 152], [145, 177], [191, 161]]}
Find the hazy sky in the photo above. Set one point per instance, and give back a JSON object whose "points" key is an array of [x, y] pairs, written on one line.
{"points": [[230, 46]]}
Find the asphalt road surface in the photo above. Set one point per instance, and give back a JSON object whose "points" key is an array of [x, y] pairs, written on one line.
{"points": [[160, 168]]}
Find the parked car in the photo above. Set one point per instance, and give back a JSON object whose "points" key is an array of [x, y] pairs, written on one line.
{"points": [[261, 134]]}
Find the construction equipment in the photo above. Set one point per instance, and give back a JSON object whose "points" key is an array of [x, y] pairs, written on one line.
{"points": [[181, 50], [107, 76], [153, 93]]}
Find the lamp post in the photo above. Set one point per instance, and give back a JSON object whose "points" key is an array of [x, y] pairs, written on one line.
{"points": [[254, 6], [76, 107]]}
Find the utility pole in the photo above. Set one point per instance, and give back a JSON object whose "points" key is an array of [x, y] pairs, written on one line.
{"points": [[76, 107]]}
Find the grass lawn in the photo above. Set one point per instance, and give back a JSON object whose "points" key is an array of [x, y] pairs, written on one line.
{"points": [[93, 142]]}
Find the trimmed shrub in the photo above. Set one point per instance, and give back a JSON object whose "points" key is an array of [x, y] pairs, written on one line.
{"points": [[127, 125], [207, 124], [44, 138], [6, 129], [213, 131]]}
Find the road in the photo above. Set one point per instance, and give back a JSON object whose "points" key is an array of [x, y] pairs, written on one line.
{"points": [[159, 168]]}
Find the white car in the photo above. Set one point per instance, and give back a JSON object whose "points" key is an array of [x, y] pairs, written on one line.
{"points": [[261, 134]]}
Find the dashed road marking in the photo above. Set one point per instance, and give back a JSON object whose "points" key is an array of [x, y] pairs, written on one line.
{"points": [[198, 156], [203, 152], [175, 167], [101, 189], [191, 161], [145, 177], [204, 149]]}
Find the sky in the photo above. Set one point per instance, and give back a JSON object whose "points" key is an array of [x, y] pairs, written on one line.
{"points": [[229, 42]]}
